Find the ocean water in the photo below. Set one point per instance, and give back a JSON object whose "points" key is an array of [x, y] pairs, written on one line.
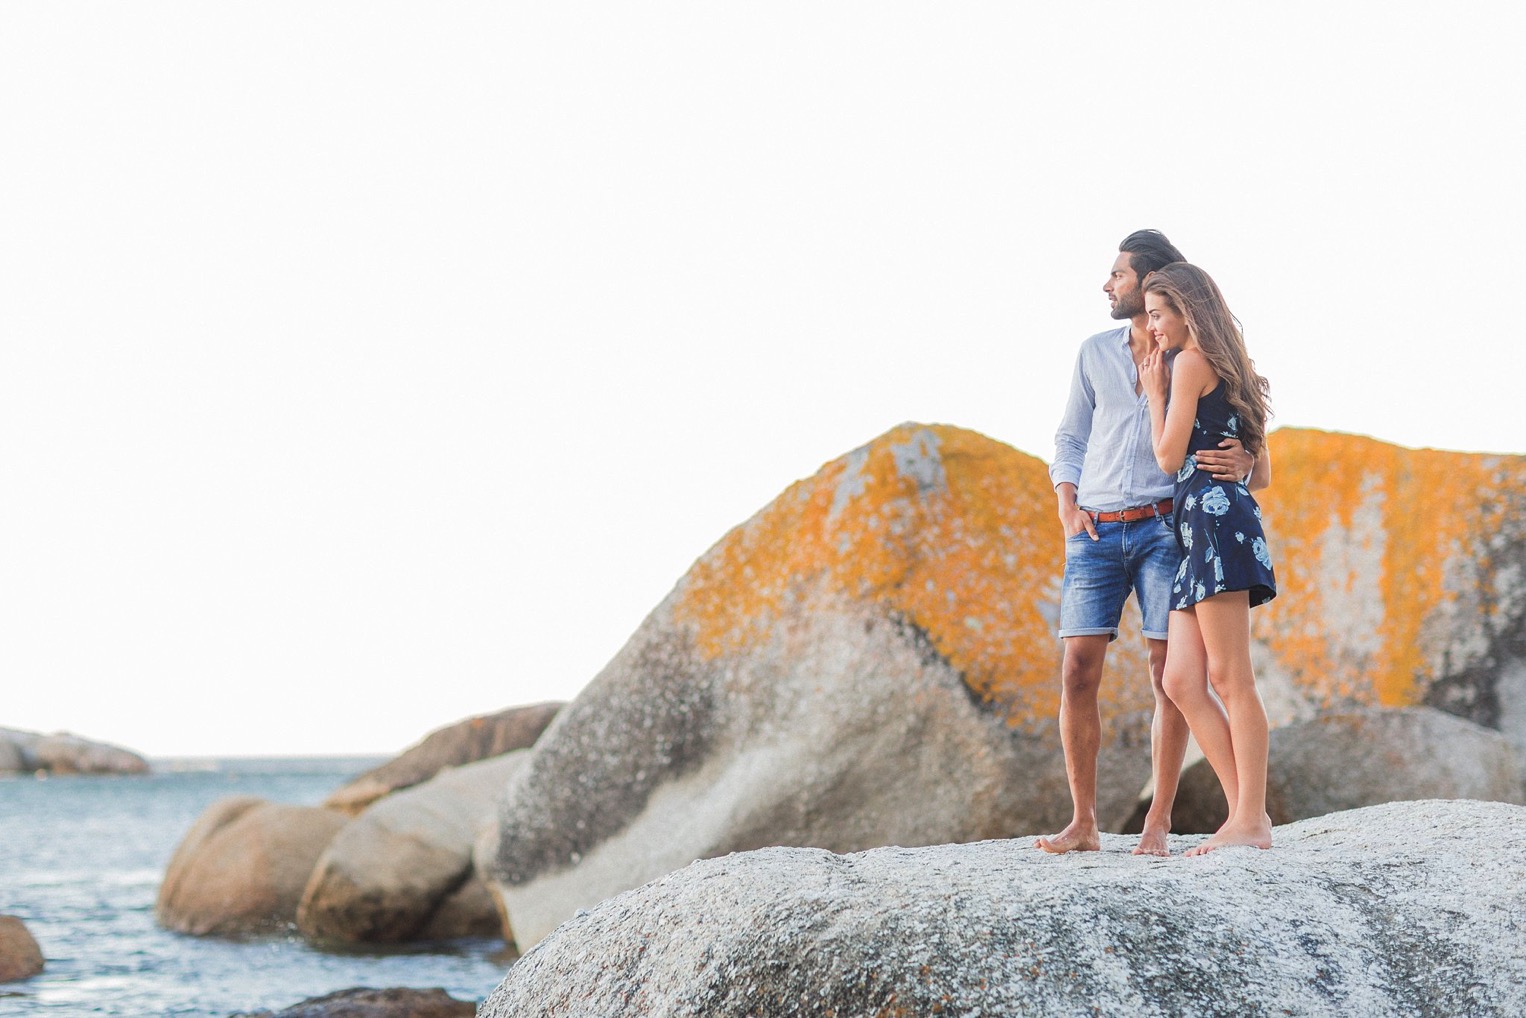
{"points": [[80, 862]]}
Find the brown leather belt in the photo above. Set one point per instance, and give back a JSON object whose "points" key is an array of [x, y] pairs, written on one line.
{"points": [[1138, 512]]}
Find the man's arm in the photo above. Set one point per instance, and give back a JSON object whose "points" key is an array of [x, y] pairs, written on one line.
{"points": [[1070, 453], [1261, 474], [1229, 462], [1073, 518]]}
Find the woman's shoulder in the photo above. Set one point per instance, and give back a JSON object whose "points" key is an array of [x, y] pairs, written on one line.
{"points": [[1196, 371]]}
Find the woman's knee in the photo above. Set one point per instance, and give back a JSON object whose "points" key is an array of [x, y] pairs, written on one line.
{"points": [[1181, 684], [1230, 681]]}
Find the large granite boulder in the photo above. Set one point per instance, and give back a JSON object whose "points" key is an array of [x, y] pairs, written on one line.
{"points": [[20, 957], [461, 743], [1402, 581], [63, 753], [870, 660], [1394, 910], [242, 866], [402, 870], [1362, 757]]}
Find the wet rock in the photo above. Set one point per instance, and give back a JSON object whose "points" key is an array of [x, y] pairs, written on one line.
{"points": [[20, 957], [452, 746], [1400, 909], [368, 1003], [242, 866]]}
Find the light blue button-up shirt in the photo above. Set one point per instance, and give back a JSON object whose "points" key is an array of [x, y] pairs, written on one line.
{"points": [[1103, 443]]}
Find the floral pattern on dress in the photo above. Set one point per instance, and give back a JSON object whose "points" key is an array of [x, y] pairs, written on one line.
{"points": [[1258, 548], [1215, 501], [1218, 525]]}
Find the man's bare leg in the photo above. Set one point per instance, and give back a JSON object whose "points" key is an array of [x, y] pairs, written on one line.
{"points": [[1081, 735], [1168, 748]]}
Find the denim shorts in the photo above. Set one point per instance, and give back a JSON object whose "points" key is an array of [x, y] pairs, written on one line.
{"points": [[1142, 556]]}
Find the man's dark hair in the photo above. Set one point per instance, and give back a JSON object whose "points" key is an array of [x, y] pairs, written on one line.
{"points": [[1149, 250]]}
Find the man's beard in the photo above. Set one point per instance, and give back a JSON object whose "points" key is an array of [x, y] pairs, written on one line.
{"points": [[1129, 305]]}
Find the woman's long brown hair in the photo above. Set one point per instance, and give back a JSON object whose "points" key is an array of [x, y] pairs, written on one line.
{"points": [[1192, 293]]}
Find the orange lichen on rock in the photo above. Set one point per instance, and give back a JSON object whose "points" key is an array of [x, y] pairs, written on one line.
{"points": [[1370, 542], [947, 530]]}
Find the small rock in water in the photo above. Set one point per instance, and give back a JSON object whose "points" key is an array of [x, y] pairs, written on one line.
{"points": [[363, 1002], [20, 957]]}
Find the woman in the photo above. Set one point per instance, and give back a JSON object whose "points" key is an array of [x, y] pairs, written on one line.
{"points": [[1214, 393]]}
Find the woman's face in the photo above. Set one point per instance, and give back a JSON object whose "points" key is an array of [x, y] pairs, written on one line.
{"points": [[1168, 327]]}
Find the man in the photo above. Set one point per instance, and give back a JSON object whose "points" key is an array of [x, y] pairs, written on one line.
{"points": [[1115, 507]]}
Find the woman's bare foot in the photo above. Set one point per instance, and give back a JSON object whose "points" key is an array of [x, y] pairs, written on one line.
{"points": [[1078, 837], [1152, 842], [1256, 835]]}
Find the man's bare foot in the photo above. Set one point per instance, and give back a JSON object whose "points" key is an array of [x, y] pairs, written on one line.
{"points": [[1075, 838], [1257, 835], [1152, 842]]}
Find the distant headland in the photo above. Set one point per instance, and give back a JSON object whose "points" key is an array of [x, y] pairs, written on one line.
{"points": [[64, 753]]}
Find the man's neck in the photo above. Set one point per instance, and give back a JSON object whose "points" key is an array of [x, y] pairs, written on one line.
{"points": [[1140, 340]]}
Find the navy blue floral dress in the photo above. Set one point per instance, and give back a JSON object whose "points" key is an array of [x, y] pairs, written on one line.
{"points": [[1218, 523]]}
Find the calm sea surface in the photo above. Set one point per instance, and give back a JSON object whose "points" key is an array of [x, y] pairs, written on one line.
{"points": [[80, 863]]}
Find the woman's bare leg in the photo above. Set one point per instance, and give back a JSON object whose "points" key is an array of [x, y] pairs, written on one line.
{"points": [[1186, 683], [1224, 626]]}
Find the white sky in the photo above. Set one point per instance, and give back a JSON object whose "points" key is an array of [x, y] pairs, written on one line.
{"points": [[366, 366]]}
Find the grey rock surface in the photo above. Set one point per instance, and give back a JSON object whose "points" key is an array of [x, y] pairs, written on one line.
{"points": [[454, 745], [388, 874], [1361, 757], [1402, 909]]}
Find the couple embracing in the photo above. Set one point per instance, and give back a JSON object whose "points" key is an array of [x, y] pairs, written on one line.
{"points": [[1162, 442]]}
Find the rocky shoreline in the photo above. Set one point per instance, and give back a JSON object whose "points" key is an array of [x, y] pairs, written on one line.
{"points": [[24, 752], [387, 858]]}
